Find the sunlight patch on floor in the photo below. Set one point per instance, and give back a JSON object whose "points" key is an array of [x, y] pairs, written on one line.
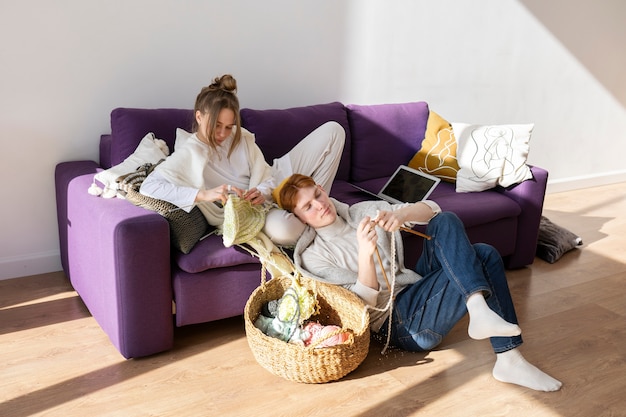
{"points": [[43, 299]]}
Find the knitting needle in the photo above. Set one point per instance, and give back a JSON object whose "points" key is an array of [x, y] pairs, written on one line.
{"points": [[382, 268], [380, 261], [415, 232]]}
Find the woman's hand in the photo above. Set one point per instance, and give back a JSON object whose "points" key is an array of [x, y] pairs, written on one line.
{"points": [[219, 193], [254, 196]]}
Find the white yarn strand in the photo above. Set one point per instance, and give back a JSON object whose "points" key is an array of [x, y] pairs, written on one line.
{"points": [[392, 289]]}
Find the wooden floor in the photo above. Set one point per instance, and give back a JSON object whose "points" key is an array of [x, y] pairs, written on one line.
{"points": [[55, 360]]}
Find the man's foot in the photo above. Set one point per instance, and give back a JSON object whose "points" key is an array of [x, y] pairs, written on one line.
{"points": [[485, 323], [513, 368]]}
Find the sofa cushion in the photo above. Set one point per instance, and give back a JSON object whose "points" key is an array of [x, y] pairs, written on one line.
{"points": [[210, 253], [186, 229], [491, 155], [554, 241], [277, 131], [149, 151], [384, 136], [475, 209], [129, 126], [437, 155]]}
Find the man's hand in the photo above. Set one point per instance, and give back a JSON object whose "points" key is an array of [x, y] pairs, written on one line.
{"points": [[366, 237], [390, 221]]}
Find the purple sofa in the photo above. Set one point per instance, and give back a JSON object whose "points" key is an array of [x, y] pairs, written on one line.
{"points": [[119, 259]]}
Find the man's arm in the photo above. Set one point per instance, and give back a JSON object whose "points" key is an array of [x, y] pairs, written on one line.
{"points": [[420, 213]]}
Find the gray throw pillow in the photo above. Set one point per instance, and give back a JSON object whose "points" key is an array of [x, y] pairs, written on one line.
{"points": [[554, 241]]}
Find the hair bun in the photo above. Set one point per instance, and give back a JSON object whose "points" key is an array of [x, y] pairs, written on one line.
{"points": [[225, 83]]}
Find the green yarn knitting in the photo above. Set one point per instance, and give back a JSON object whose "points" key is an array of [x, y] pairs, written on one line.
{"points": [[242, 220]]}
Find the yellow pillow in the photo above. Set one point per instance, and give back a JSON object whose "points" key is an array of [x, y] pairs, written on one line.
{"points": [[437, 156]]}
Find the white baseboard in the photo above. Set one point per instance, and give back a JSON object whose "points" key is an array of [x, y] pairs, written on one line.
{"points": [[577, 183], [32, 264]]}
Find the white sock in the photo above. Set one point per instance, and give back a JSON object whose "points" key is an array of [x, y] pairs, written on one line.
{"points": [[484, 322], [513, 368]]}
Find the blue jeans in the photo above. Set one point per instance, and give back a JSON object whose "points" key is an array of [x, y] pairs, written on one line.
{"points": [[452, 269]]}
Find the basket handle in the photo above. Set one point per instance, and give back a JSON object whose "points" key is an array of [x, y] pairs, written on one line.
{"points": [[263, 274]]}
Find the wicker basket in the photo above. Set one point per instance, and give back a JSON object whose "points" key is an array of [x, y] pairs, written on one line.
{"points": [[338, 306]]}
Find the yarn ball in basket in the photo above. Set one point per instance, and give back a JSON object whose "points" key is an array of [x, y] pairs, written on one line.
{"points": [[298, 303], [325, 336], [242, 221]]}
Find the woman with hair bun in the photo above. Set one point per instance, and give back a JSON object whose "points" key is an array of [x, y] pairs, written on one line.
{"points": [[221, 157]]}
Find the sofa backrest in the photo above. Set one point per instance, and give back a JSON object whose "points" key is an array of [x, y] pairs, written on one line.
{"points": [[384, 136], [379, 137], [277, 131], [129, 126]]}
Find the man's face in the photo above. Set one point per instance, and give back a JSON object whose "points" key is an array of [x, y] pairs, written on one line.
{"points": [[314, 208]]}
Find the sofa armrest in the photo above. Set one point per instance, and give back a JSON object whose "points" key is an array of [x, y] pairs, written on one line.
{"points": [[530, 195], [63, 174], [119, 263]]}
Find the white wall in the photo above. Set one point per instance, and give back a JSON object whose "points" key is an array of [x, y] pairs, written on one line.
{"points": [[66, 64]]}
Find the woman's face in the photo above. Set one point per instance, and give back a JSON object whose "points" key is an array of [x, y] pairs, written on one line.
{"points": [[223, 128], [314, 208]]}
